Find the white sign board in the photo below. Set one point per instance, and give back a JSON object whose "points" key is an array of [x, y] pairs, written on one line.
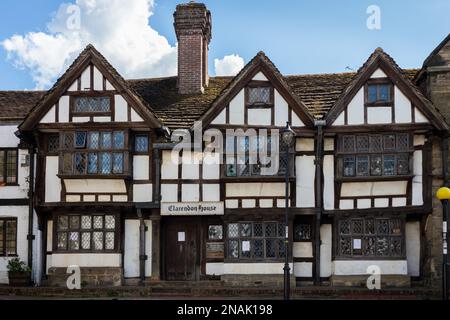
{"points": [[245, 246], [191, 208], [181, 237], [357, 244]]}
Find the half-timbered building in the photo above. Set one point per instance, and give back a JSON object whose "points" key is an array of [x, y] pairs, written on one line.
{"points": [[115, 196]]}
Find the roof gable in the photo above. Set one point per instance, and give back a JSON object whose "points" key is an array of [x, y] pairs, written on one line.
{"points": [[89, 56], [381, 60], [259, 64]]}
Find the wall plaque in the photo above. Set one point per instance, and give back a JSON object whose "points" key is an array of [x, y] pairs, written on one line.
{"points": [[191, 208]]}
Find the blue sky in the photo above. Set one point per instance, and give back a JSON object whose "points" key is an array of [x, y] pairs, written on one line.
{"points": [[299, 36]]}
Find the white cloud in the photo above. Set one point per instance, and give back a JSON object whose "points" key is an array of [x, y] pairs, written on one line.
{"points": [[228, 65], [119, 29]]}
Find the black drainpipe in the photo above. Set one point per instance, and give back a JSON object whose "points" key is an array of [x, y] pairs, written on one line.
{"points": [[319, 203], [142, 256], [30, 236]]}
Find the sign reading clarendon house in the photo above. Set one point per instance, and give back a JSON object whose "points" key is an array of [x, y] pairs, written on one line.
{"points": [[191, 208]]}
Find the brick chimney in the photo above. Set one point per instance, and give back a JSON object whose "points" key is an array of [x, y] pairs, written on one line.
{"points": [[193, 29]]}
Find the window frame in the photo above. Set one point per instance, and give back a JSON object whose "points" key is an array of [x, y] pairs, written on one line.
{"points": [[251, 175], [116, 230], [379, 103], [74, 113], [252, 238], [3, 248], [259, 84], [337, 237], [341, 154], [72, 152], [5, 167], [146, 152]]}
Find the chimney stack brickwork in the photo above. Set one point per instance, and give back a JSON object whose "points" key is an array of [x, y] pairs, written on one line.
{"points": [[193, 30]]}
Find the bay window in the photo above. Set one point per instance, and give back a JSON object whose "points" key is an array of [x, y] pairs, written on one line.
{"points": [[373, 155], [90, 232], [94, 152]]}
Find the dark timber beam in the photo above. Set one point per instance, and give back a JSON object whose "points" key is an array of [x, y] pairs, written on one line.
{"points": [[319, 203]]}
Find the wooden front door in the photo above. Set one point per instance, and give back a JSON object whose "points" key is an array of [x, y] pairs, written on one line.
{"points": [[181, 252]]}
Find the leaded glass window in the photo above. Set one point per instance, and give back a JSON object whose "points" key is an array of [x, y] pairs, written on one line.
{"points": [[370, 236], [215, 232], [94, 152], [259, 96], [302, 232], [92, 104], [53, 143], [8, 236], [141, 143], [246, 156], [375, 155], [255, 240], [8, 166], [86, 232]]}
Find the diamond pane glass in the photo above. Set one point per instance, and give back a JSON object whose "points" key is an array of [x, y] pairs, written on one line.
{"points": [[259, 95], [106, 140], [63, 222], [74, 241], [281, 248], [271, 230], [233, 230], [68, 141], [110, 222], [92, 104], [344, 227], [375, 165], [258, 246], [11, 166], [348, 144], [345, 245], [271, 248], [109, 241], [106, 162], [74, 222], [92, 163], [86, 222], [302, 232], [349, 166], [389, 142], [141, 143], [382, 226], [53, 143], [62, 240], [246, 230], [80, 163], [117, 162], [98, 222], [403, 164], [233, 249], [80, 139], [362, 143], [376, 143], [98, 240], [94, 140], [86, 240], [67, 163], [357, 226], [258, 230], [402, 142], [388, 165], [362, 165]]}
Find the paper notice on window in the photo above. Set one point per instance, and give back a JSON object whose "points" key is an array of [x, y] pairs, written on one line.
{"points": [[181, 236], [357, 244], [245, 246]]}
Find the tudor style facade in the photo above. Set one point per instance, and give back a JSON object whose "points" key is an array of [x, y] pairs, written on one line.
{"points": [[113, 197]]}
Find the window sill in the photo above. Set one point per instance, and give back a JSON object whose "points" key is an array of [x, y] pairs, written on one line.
{"points": [[9, 256], [374, 178], [94, 176], [257, 179]]}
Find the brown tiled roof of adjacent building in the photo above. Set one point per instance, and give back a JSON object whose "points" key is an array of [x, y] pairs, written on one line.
{"points": [[14, 105]]}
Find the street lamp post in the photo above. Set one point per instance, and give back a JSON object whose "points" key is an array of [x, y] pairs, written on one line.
{"points": [[443, 194], [288, 137]]}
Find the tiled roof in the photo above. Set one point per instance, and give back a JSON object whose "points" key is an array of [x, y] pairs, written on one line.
{"points": [[14, 105], [318, 92]]}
